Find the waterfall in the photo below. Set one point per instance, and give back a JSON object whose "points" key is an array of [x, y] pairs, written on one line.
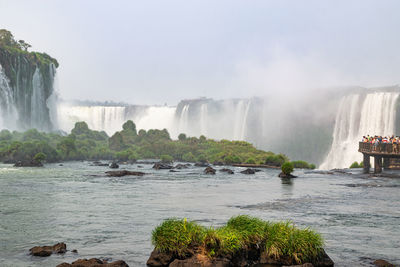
{"points": [[203, 119], [375, 115], [8, 114], [111, 118], [240, 119], [184, 120]]}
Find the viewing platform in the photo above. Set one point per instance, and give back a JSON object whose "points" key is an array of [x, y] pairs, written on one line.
{"points": [[385, 155]]}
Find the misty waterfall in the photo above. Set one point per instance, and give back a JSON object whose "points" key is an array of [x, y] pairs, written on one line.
{"points": [[373, 114]]}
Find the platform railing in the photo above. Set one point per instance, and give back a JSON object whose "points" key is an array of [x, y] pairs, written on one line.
{"points": [[382, 148]]}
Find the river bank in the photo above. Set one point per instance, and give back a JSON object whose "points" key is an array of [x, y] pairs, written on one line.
{"points": [[113, 217]]}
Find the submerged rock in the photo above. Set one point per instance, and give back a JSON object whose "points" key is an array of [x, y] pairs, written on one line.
{"points": [[283, 175], [124, 173], [94, 263], [209, 170], [32, 163], [228, 171], [162, 166], [114, 165], [45, 251]]}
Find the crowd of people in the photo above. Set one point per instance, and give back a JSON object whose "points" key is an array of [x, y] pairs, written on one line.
{"points": [[377, 139]]}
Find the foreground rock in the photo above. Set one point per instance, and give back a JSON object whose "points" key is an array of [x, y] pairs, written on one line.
{"points": [[162, 166], [209, 170], [283, 175], [124, 173], [228, 171], [383, 263], [114, 165], [45, 251], [252, 257], [94, 263], [32, 163]]}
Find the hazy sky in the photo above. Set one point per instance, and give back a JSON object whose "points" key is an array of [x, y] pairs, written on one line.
{"points": [[156, 52]]}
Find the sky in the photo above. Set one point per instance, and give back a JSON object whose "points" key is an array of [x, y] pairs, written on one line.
{"points": [[156, 52]]}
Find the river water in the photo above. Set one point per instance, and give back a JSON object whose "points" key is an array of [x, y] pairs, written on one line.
{"points": [[358, 216]]}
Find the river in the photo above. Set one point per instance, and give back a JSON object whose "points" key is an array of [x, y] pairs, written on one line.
{"points": [[100, 216]]}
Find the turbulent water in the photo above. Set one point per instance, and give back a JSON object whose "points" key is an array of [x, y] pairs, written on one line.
{"points": [[358, 116], [113, 217]]}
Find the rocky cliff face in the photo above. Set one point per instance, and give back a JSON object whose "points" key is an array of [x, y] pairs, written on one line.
{"points": [[26, 89]]}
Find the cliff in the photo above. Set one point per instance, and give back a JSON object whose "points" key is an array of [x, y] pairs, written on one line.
{"points": [[26, 85]]}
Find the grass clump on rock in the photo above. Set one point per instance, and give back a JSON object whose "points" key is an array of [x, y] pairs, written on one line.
{"points": [[276, 241]]}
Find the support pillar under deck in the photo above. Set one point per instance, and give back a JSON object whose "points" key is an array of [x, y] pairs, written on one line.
{"points": [[366, 163], [378, 164]]}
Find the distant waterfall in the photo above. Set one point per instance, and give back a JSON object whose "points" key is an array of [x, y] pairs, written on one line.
{"points": [[111, 118], [184, 120], [374, 115], [203, 119]]}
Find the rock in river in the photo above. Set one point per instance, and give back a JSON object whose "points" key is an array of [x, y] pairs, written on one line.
{"points": [[249, 171], [93, 263], [114, 165], [162, 166], [124, 173], [209, 170], [45, 251], [282, 175]]}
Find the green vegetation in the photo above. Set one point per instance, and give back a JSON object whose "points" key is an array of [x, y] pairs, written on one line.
{"points": [[355, 164], [128, 145], [9, 44], [287, 168], [280, 240], [300, 164]]}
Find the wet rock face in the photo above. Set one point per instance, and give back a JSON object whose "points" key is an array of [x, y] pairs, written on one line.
{"points": [[45, 251], [159, 259], [209, 170], [94, 263], [251, 257], [182, 166], [201, 261], [382, 263]]}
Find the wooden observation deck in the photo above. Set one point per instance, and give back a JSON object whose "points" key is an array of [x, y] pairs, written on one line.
{"points": [[389, 153]]}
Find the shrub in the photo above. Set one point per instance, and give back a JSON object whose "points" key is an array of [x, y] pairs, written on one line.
{"points": [[275, 160], [189, 157], [166, 158], [300, 164], [251, 161], [287, 168], [39, 157], [356, 165]]}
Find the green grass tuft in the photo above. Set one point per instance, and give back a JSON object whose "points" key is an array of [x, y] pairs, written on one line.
{"points": [[281, 240]]}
